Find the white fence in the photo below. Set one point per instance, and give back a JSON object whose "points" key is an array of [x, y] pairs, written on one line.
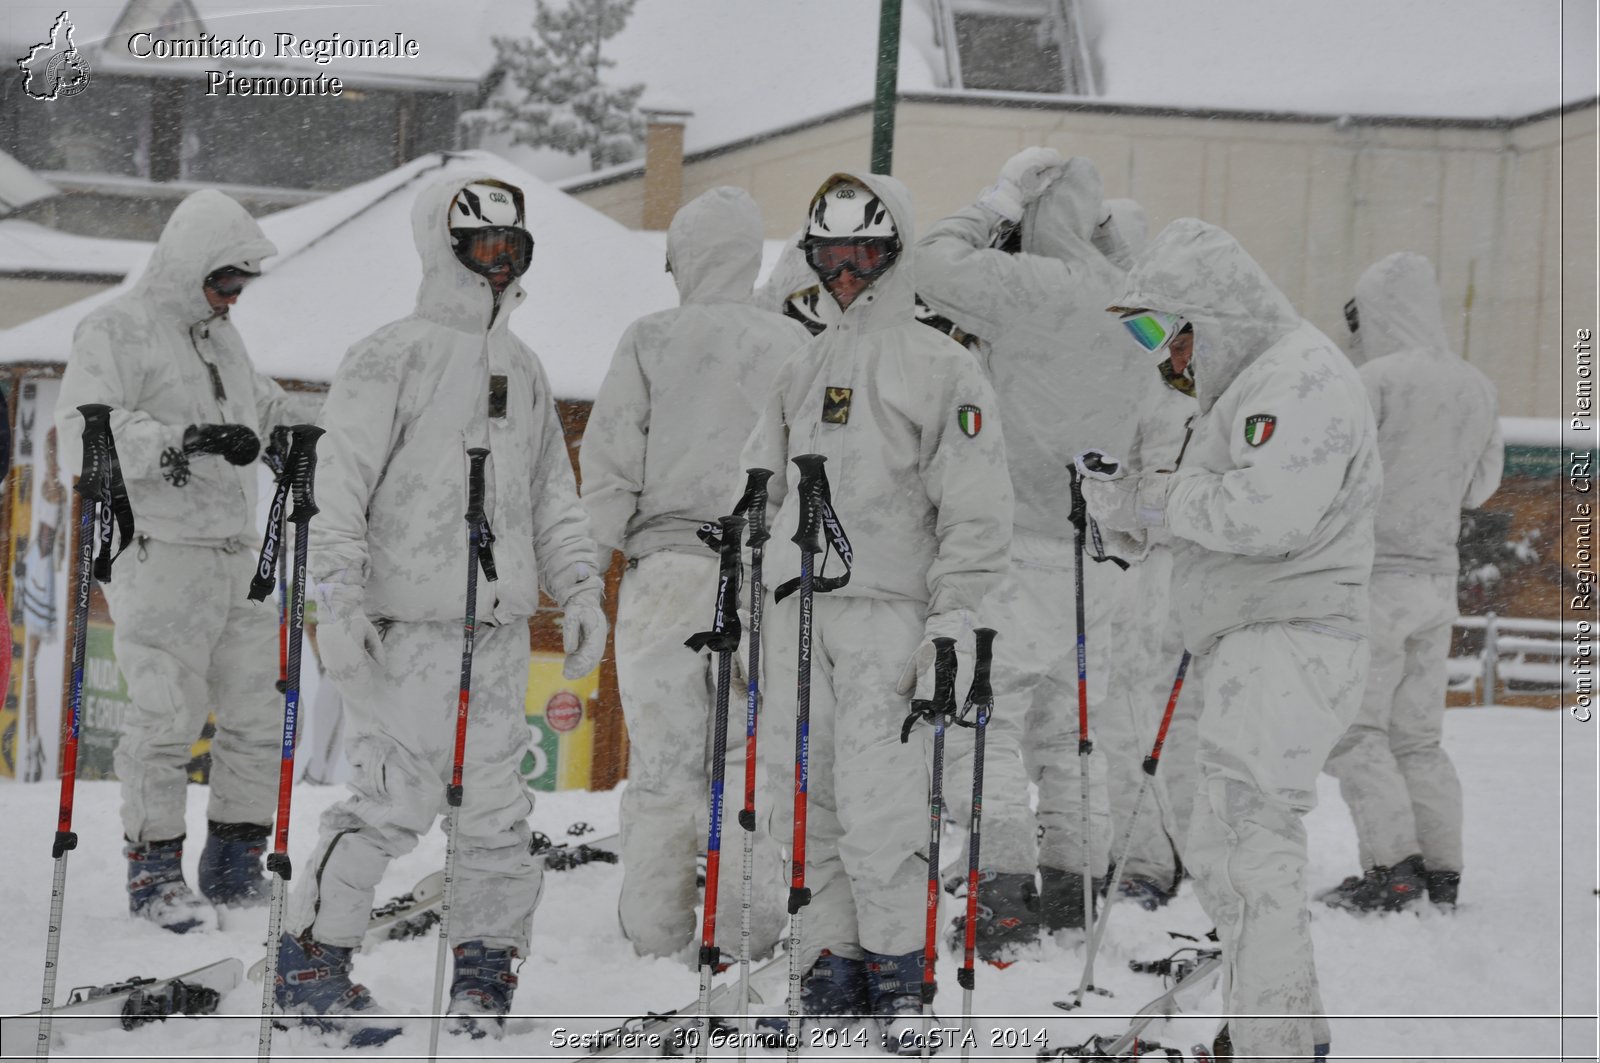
{"points": [[1518, 656]]}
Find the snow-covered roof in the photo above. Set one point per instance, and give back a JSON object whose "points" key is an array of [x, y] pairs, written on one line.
{"points": [[347, 264], [751, 67], [19, 186], [29, 248]]}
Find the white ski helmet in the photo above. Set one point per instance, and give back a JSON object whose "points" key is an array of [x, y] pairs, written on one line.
{"points": [[846, 209], [486, 204]]}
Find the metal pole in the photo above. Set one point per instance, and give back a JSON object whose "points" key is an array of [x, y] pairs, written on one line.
{"points": [[888, 79]]}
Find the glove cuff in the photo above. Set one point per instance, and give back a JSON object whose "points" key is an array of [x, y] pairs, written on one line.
{"points": [[579, 579], [1002, 198], [1150, 502], [953, 624]]}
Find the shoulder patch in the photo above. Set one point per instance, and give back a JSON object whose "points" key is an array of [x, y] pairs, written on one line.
{"points": [[969, 419], [1258, 428]]}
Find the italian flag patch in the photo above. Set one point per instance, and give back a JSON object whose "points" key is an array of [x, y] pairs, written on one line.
{"points": [[1258, 428], [969, 419]]}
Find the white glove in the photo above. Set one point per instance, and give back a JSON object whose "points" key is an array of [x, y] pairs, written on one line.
{"points": [[1022, 179], [347, 641], [583, 632], [1128, 504], [916, 678]]}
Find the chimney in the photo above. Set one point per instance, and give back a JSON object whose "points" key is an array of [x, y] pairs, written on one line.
{"points": [[663, 163]]}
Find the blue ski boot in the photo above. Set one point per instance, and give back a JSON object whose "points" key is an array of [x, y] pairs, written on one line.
{"points": [[1385, 889], [1008, 918], [834, 988], [230, 865], [480, 992], [156, 890], [1147, 893], [894, 995], [314, 984]]}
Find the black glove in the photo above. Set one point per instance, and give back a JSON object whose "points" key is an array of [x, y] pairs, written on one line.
{"points": [[237, 444]]}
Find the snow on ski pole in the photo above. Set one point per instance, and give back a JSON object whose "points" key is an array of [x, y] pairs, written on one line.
{"points": [[480, 553], [103, 500], [298, 479]]}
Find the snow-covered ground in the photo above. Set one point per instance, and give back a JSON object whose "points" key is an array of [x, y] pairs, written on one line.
{"points": [[1487, 983]]}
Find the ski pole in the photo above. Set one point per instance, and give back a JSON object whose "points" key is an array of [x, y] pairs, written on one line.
{"points": [[480, 553], [299, 475], [103, 499], [1080, 519], [1151, 763], [723, 639], [276, 457], [939, 711], [754, 506], [980, 698], [810, 493]]}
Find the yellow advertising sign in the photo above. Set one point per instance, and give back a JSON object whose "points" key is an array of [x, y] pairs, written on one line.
{"points": [[560, 715]]}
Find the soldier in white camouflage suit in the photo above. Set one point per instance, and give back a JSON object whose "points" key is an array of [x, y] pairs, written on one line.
{"points": [[188, 412], [660, 449], [1057, 365], [389, 559], [915, 460], [1442, 452], [1271, 517]]}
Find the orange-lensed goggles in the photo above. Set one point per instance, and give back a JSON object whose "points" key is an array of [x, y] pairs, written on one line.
{"points": [[866, 258], [491, 247]]}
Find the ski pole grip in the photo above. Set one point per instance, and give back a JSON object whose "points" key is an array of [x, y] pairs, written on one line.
{"points": [[983, 656], [812, 487], [944, 676], [302, 469], [96, 452], [755, 498], [476, 457]]}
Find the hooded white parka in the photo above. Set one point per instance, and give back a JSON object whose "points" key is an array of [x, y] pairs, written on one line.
{"points": [[925, 504], [1057, 360], [684, 387], [1272, 509], [1437, 424], [392, 478], [163, 360]]}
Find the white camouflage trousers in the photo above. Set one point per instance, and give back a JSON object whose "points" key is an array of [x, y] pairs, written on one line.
{"points": [[188, 642], [1033, 733], [1393, 771], [400, 735], [1148, 646], [668, 699], [1277, 697], [867, 815]]}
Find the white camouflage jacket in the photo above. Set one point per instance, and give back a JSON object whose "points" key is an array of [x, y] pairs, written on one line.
{"points": [[392, 476], [1273, 507], [162, 361], [1438, 429], [684, 387], [915, 458], [1057, 360]]}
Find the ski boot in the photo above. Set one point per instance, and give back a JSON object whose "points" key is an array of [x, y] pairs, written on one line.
{"points": [[480, 992], [1335, 897], [835, 988], [1222, 1047], [1061, 898], [156, 889], [1008, 918], [1385, 889], [1147, 893], [1442, 887], [314, 984], [894, 1000], [230, 865]]}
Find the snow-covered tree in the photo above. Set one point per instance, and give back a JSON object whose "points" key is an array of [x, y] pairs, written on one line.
{"points": [[556, 97]]}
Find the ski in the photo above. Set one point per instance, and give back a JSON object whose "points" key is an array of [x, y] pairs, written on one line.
{"points": [[415, 913], [1187, 973], [673, 1033], [128, 1005]]}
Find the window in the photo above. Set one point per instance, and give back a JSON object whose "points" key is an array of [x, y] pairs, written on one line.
{"points": [[1014, 45]]}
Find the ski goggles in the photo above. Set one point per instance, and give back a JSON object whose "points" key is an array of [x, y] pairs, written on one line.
{"points": [[1152, 329], [228, 281], [866, 258], [1352, 317], [486, 249]]}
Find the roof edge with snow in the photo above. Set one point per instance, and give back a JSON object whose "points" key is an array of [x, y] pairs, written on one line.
{"points": [[1084, 105]]}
